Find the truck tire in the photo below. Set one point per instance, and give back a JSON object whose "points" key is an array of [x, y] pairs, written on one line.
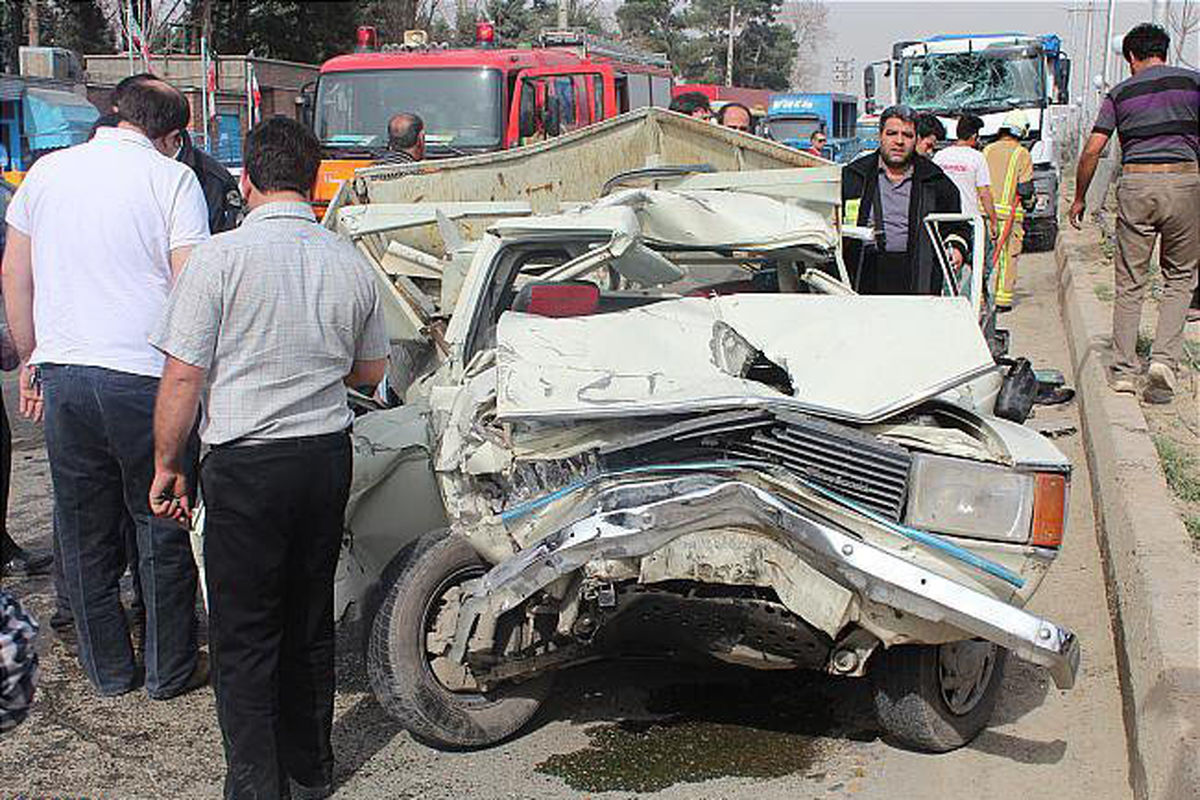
{"points": [[1041, 238], [937, 698], [402, 670]]}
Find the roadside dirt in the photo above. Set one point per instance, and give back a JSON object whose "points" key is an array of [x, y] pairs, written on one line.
{"points": [[1175, 427]]}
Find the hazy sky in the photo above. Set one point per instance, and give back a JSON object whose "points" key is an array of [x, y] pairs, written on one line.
{"points": [[866, 30]]}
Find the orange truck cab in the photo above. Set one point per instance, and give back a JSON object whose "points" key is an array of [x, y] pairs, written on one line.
{"points": [[472, 100]]}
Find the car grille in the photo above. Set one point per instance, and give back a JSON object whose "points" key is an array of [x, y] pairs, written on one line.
{"points": [[856, 465]]}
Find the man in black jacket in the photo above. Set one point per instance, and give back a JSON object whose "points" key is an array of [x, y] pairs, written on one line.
{"points": [[891, 190], [221, 193], [220, 188]]}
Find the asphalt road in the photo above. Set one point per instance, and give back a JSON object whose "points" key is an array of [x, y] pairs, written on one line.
{"points": [[641, 729]]}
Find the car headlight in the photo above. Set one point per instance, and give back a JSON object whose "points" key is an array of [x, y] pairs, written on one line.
{"points": [[986, 501]]}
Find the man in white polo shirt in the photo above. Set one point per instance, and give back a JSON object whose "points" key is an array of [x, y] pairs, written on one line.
{"points": [[96, 235]]}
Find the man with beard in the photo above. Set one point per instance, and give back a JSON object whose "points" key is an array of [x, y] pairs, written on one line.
{"points": [[891, 190]]}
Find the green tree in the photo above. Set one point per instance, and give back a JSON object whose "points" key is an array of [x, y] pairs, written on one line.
{"points": [[308, 32], [659, 26], [764, 48], [79, 25]]}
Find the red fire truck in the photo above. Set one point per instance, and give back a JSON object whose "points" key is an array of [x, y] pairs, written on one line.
{"points": [[474, 100]]}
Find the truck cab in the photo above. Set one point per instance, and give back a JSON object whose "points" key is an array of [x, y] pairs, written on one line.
{"points": [[793, 117], [473, 100], [989, 75]]}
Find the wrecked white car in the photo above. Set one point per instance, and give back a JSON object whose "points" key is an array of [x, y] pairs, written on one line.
{"points": [[660, 424]]}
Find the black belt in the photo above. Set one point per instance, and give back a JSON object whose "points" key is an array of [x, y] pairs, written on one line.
{"points": [[290, 441]]}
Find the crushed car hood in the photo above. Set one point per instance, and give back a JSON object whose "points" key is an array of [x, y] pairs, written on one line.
{"points": [[860, 359]]}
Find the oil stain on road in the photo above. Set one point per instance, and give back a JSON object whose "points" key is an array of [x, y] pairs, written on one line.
{"points": [[764, 725]]}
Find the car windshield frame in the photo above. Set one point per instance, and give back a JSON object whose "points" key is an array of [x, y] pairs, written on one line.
{"points": [[442, 92], [974, 81]]}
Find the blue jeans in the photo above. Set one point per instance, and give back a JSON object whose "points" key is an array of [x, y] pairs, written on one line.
{"points": [[100, 440]]}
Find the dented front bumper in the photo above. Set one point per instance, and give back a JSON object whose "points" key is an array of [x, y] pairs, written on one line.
{"points": [[634, 519]]}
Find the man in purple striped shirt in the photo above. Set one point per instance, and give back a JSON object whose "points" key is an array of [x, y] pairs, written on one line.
{"points": [[1156, 114]]}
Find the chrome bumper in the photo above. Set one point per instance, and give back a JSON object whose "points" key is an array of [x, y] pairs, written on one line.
{"points": [[634, 519]]}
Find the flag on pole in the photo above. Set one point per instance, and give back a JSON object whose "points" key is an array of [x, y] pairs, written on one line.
{"points": [[253, 94], [137, 38], [210, 80]]}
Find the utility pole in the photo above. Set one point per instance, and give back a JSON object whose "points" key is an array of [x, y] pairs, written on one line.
{"points": [[729, 49], [562, 15], [1108, 33], [34, 32], [1086, 93]]}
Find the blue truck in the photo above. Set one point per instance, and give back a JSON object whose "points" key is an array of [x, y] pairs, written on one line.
{"points": [[793, 117]]}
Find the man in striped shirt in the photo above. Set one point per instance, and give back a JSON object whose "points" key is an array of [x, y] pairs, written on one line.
{"points": [[1156, 114]]}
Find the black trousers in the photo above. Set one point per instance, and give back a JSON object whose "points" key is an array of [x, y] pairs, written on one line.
{"points": [[886, 273], [273, 529]]}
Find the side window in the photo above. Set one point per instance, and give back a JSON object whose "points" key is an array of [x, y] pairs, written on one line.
{"points": [[531, 118], [639, 91], [660, 91], [597, 97], [622, 93]]}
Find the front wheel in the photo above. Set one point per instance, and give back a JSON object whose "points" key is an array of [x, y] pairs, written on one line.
{"points": [[411, 676], [938, 697]]}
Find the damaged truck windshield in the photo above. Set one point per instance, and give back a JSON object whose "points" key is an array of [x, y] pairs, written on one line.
{"points": [[983, 81]]}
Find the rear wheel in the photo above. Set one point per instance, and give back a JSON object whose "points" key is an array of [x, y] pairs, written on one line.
{"points": [[435, 699], [938, 697]]}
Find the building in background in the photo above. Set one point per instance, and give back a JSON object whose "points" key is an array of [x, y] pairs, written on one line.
{"points": [[278, 83]]}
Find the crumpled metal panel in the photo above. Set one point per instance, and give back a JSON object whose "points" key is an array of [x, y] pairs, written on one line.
{"points": [[860, 359], [701, 218]]}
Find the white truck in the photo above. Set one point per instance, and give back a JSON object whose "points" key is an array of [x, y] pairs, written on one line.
{"points": [[990, 74]]}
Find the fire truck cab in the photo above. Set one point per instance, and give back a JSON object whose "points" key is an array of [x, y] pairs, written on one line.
{"points": [[474, 100]]}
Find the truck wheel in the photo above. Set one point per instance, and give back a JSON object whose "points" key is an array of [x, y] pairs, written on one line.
{"points": [[438, 701], [1041, 238], [938, 697]]}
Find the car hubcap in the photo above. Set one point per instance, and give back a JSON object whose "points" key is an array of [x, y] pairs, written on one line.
{"points": [[441, 623], [964, 672]]}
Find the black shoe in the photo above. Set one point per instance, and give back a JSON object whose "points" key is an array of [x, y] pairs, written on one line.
{"points": [[30, 564]]}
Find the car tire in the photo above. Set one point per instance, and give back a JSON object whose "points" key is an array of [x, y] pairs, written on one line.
{"points": [[923, 704], [400, 668]]}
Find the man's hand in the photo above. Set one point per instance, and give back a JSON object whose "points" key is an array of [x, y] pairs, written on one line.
{"points": [[29, 395], [169, 496], [1076, 213]]}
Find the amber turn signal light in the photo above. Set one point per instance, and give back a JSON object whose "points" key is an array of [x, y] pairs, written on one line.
{"points": [[1049, 509]]}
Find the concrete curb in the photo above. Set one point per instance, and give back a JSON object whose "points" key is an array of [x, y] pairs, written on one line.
{"points": [[1151, 572]]}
